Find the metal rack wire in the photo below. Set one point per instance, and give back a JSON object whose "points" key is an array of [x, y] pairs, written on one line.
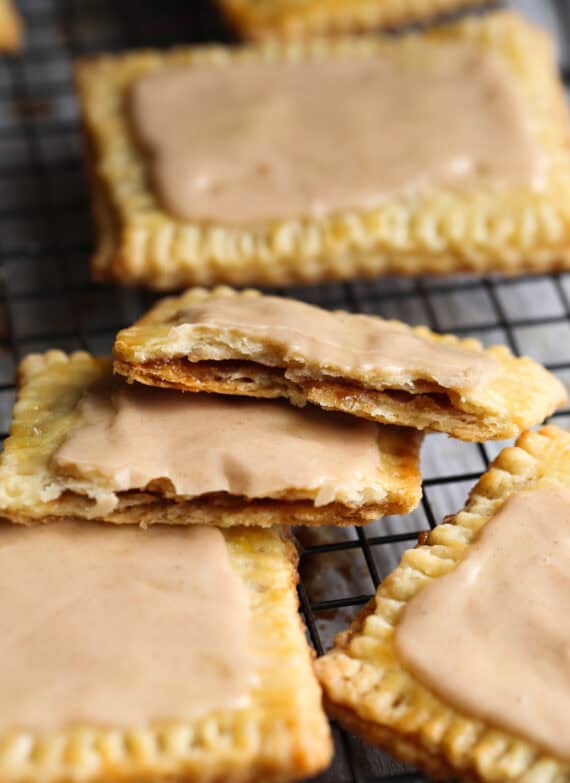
{"points": [[47, 300]]}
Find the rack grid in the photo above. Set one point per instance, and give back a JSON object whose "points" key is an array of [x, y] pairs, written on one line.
{"points": [[47, 299]]}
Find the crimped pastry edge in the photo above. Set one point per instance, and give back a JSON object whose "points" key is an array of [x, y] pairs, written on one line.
{"points": [[395, 710], [441, 234], [321, 17], [522, 395]]}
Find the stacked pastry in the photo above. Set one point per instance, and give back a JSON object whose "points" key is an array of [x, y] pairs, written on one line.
{"points": [[168, 645]]}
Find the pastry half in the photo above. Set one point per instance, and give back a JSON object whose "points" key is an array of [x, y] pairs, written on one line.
{"points": [[489, 709], [84, 444], [245, 343], [260, 19], [113, 631], [467, 217], [10, 27]]}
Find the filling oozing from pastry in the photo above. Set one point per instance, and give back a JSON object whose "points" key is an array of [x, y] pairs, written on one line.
{"points": [[312, 343], [491, 637], [116, 626], [264, 140], [184, 446]]}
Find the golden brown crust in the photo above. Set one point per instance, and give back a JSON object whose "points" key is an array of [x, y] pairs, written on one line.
{"points": [[280, 735], [11, 33], [30, 492], [441, 233], [521, 395], [403, 749], [257, 20], [371, 692]]}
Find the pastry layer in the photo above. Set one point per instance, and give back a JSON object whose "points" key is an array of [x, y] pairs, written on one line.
{"points": [[10, 27], [33, 487], [243, 343], [278, 733], [260, 19], [439, 231], [369, 689]]}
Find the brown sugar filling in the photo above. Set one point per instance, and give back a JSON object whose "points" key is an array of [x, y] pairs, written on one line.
{"points": [[244, 372]]}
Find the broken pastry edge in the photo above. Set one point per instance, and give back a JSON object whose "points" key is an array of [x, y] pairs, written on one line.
{"points": [[423, 411], [30, 491], [521, 395], [371, 693], [140, 243]]}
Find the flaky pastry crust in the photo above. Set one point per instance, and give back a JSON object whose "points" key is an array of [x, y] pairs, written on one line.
{"points": [[281, 734], [522, 394], [438, 233], [10, 27], [261, 19], [31, 492], [370, 691]]}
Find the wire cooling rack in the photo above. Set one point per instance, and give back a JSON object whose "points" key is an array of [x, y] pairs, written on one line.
{"points": [[47, 300]]}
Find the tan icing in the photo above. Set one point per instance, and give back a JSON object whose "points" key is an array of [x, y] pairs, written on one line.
{"points": [[129, 436], [118, 626], [492, 636], [342, 343], [262, 140]]}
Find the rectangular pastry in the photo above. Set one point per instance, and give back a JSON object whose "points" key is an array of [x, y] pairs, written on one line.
{"points": [[88, 445], [454, 156], [154, 655], [460, 663], [248, 344], [10, 27], [261, 19]]}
